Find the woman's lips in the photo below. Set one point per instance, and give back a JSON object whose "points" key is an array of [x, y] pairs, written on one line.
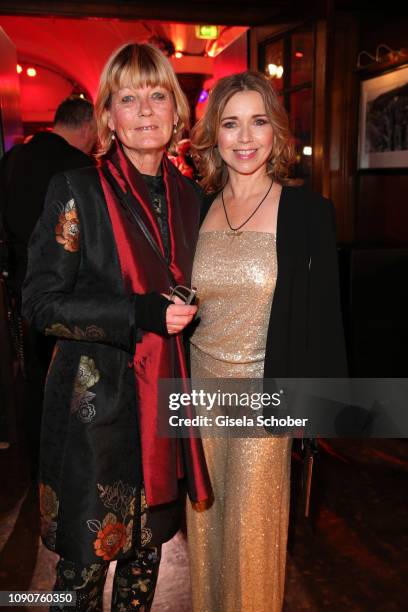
{"points": [[146, 128], [245, 153]]}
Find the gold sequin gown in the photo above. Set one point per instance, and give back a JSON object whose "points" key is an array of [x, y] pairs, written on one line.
{"points": [[238, 546]]}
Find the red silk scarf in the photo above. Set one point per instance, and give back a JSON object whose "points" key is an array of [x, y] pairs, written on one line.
{"points": [[164, 460]]}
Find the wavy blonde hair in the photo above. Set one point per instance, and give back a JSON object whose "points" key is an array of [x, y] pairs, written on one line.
{"points": [[137, 65], [205, 133]]}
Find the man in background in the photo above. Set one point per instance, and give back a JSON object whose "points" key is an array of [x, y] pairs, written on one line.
{"points": [[25, 172]]}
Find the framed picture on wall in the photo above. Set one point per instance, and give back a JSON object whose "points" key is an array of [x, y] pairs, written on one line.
{"points": [[383, 126]]}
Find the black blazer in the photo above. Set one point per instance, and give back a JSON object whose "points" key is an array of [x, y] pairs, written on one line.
{"points": [[305, 333]]}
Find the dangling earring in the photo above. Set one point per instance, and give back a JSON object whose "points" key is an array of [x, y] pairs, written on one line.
{"points": [[112, 135], [175, 128]]}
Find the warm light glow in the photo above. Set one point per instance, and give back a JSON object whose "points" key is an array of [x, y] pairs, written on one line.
{"points": [[19, 69], [275, 71], [299, 54], [272, 69], [307, 150], [31, 72], [82, 96], [178, 54]]}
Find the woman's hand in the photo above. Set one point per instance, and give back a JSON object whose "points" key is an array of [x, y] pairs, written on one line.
{"points": [[179, 315]]}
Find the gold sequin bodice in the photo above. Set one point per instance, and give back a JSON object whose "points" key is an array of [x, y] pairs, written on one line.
{"points": [[235, 275]]}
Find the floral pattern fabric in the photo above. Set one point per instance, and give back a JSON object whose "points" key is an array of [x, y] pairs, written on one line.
{"points": [[115, 532], [49, 505], [91, 333], [87, 377], [67, 229], [134, 583]]}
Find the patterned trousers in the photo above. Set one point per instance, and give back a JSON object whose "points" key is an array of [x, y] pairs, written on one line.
{"points": [[134, 583]]}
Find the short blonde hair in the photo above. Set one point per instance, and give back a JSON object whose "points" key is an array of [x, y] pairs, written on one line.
{"points": [[211, 166], [137, 65]]}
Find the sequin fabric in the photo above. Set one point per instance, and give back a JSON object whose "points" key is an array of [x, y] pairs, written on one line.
{"points": [[238, 546]]}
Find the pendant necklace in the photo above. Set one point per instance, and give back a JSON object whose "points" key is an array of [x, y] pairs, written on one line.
{"points": [[235, 229]]}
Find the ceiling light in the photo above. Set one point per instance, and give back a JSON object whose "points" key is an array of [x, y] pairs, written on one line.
{"points": [[19, 69], [31, 72]]}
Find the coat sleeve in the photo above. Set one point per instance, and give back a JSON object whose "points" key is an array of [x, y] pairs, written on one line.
{"points": [[326, 353], [52, 302]]}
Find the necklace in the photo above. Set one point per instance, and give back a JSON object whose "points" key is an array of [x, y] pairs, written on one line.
{"points": [[234, 229]]}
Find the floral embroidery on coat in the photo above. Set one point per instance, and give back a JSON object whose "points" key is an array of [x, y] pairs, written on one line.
{"points": [[146, 534], [67, 228], [111, 538], [115, 533], [87, 376], [49, 505], [92, 332]]}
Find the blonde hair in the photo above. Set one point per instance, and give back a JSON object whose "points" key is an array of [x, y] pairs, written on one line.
{"points": [[205, 133], [137, 65]]}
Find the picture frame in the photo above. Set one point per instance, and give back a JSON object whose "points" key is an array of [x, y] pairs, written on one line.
{"points": [[383, 120]]}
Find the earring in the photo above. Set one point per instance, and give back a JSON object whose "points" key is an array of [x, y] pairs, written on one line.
{"points": [[112, 135], [175, 128]]}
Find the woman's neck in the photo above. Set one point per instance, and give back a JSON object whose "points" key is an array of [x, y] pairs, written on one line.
{"points": [[241, 186], [146, 162]]}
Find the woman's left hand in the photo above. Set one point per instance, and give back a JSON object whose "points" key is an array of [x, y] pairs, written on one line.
{"points": [[179, 315]]}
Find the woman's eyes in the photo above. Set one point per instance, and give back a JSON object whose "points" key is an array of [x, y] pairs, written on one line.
{"points": [[231, 124], [156, 95]]}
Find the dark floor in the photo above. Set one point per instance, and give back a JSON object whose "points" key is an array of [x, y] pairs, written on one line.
{"points": [[350, 556]]}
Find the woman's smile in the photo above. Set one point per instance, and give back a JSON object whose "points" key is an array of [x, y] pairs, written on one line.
{"points": [[146, 128], [245, 153]]}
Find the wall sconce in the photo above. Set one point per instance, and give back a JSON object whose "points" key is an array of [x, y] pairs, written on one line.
{"points": [[391, 56], [275, 71], [360, 55]]}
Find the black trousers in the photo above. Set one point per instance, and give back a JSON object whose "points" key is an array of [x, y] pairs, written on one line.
{"points": [[134, 583]]}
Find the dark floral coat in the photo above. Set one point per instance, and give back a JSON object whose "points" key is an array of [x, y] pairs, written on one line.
{"points": [[91, 495]]}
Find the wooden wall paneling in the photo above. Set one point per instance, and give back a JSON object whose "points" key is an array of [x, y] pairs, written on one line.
{"points": [[320, 124], [344, 109], [258, 35]]}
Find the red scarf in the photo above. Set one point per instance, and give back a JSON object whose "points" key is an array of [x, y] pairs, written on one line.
{"points": [[164, 460]]}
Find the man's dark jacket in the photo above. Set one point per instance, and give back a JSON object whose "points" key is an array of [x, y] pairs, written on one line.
{"points": [[25, 172]]}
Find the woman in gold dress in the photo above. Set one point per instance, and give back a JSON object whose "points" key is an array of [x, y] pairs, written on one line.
{"points": [[266, 273]]}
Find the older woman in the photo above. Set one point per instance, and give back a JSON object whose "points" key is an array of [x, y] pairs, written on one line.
{"points": [[266, 272], [108, 247]]}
